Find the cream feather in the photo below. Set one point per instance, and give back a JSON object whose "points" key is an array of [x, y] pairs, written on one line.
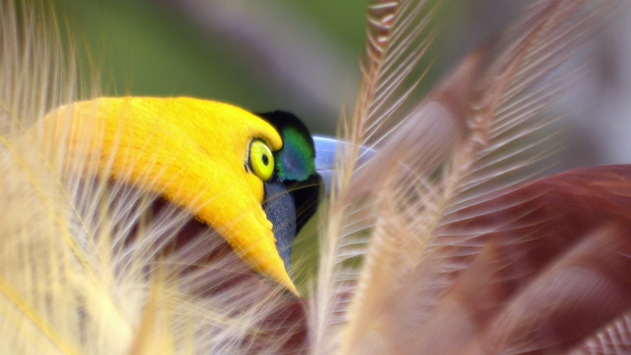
{"points": [[87, 264]]}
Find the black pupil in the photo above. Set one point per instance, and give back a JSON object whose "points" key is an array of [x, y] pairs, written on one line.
{"points": [[265, 159]]}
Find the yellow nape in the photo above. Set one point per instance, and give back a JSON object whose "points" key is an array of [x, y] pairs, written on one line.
{"points": [[191, 151]]}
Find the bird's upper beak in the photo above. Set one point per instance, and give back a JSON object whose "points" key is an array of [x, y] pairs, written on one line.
{"points": [[326, 150]]}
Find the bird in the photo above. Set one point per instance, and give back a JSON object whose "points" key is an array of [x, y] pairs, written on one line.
{"points": [[439, 233], [243, 184], [247, 177]]}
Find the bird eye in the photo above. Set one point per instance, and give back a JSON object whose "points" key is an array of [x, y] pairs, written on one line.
{"points": [[261, 159]]}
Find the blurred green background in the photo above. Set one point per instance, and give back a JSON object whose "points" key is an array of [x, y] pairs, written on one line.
{"points": [[299, 56]]}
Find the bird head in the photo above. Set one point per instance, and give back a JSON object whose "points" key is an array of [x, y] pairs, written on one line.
{"points": [[252, 179]]}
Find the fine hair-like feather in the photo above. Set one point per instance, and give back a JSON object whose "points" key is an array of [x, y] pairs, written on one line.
{"points": [[93, 265], [455, 251], [448, 240]]}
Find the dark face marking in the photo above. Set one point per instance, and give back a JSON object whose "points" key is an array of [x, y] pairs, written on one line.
{"points": [[295, 161], [293, 192]]}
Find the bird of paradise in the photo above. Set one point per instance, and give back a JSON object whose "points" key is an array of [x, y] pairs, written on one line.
{"points": [[151, 225]]}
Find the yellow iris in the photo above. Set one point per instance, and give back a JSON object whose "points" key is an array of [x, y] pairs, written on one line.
{"points": [[261, 159]]}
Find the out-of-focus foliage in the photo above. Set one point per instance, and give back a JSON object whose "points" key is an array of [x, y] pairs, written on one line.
{"points": [[149, 47]]}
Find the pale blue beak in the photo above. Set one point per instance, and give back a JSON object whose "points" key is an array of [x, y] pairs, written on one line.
{"points": [[326, 149]]}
